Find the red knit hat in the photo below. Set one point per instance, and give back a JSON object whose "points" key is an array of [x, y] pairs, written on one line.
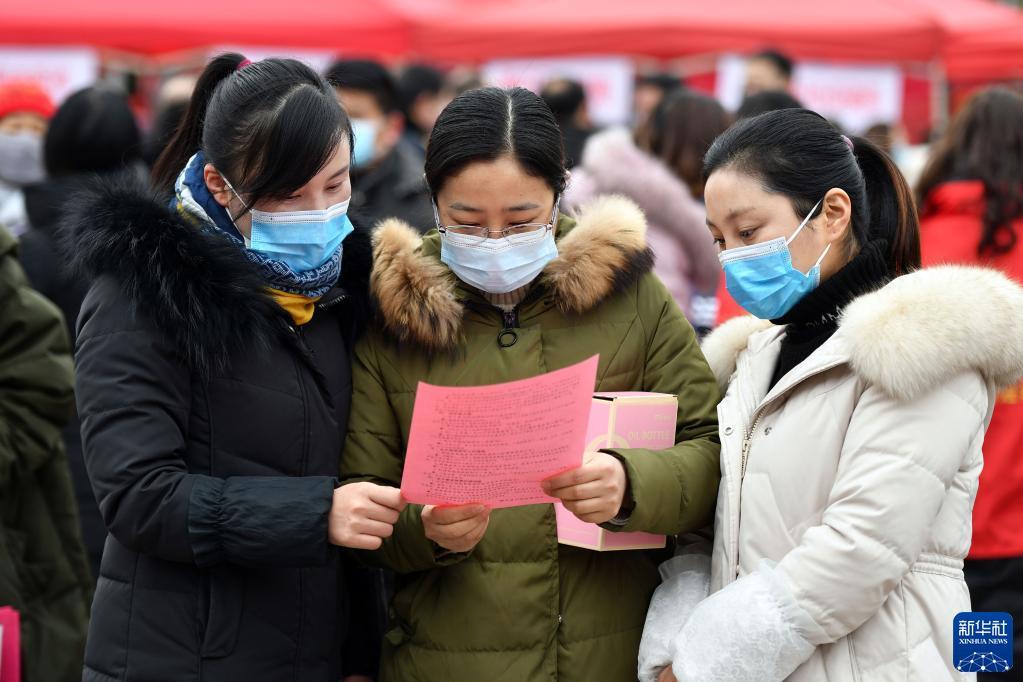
{"points": [[24, 97]]}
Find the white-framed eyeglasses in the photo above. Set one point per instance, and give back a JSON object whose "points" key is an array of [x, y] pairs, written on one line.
{"points": [[523, 231]]}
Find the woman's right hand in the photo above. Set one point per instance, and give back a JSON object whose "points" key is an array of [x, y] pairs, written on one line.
{"points": [[456, 529], [363, 514]]}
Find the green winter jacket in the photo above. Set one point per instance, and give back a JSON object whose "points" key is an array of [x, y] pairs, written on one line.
{"points": [[44, 573], [519, 606]]}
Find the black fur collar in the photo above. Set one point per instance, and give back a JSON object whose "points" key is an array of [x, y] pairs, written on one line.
{"points": [[198, 288]]}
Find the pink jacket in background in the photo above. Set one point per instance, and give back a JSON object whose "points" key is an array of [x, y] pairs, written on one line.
{"points": [[686, 256]]}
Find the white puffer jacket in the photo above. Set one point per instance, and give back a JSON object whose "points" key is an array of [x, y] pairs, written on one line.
{"points": [[844, 509]]}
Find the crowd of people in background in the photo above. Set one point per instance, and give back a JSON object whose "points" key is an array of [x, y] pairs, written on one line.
{"points": [[415, 142]]}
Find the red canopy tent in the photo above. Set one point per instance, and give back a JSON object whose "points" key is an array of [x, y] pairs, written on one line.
{"points": [[991, 55], [151, 28], [889, 30]]}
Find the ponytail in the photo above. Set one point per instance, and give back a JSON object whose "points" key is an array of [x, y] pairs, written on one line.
{"points": [[893, 215], [187, 139], [269, 127], [797, 153]]}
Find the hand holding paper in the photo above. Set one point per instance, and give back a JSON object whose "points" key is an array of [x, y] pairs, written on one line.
{"points": [[493, 445], [456, 529], [595, 491]]}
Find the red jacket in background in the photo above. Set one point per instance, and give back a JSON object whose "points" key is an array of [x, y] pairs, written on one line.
{"points": [[727, 307], [950, 226]]}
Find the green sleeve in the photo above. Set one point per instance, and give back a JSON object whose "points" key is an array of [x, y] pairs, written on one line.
{"points": [[36, 376], [674, 491], [374, 452]]}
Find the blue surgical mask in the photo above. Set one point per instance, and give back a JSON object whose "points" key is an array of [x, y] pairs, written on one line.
{"points": [[762, 279], [498, 265], [365, 131], [302, 240]]}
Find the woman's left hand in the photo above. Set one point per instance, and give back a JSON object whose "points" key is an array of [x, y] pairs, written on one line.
{"points": [[595, 491]]}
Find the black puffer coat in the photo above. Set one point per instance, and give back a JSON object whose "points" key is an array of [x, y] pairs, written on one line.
{"points": [[212, 431]]}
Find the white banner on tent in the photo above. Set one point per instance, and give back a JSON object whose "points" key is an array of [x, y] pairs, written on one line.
{"points": [[855, 95], [608, 81], [60, 71], [318, 60]]}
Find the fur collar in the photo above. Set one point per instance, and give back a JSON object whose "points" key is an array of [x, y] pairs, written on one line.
{"points": [[197, 287], [420, 301], [914, 333]]}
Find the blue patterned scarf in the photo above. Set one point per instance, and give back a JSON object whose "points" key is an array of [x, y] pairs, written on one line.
{"points": [[194, 201]]}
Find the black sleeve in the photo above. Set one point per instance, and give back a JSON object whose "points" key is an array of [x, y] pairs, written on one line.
{"points": [[134, 397]]}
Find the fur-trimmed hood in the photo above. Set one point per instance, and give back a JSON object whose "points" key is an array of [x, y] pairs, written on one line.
{"points": [[198, 288], [914, 333], [420, 301]]}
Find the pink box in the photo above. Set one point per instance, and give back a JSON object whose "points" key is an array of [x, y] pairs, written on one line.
{"points": [[10, 645], [621, 420]]}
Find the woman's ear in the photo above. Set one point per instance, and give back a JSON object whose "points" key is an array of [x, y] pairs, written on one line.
{"points": [[217, 186], [837, 214]]}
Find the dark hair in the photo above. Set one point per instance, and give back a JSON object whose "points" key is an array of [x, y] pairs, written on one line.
{"points": [[681, 130], [415, 81], [564, 97], [93, 131], [778, 60], [485, 124], [268, 127], [985, 142], [366, 75], [165, 124], [796, 153], [665, 81], [763, 102]]}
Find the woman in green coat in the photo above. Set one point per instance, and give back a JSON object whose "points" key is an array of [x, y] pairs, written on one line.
{"points": [[506, 289], [44, 572]]}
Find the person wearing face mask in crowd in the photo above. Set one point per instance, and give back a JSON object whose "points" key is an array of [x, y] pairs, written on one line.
{"points": [[387, 173], [25, 111], [93, 133], [505, 288], [855, 406], [213, 385]]}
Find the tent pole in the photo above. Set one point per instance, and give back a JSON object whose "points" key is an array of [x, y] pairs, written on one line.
{"points": [[939, 97]]}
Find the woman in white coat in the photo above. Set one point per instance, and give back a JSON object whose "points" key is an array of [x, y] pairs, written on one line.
{"points": [[852, 421]]}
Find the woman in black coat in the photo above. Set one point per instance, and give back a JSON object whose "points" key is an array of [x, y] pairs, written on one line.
{"points": [[213, 386]]}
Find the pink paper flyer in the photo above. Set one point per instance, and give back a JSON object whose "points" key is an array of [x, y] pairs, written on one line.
{"points": [[494, 444]]}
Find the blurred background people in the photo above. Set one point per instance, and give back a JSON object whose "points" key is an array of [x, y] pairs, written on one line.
{"points": [[424, 93], [767, 100], [660, 168], [566, 99], [648, 92], [387, 173], [971, 198], [25, 110], [768, 70], [169, 110], [92, 135], [44, 573]]}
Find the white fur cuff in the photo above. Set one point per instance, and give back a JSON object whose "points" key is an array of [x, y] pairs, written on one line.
{"points": [[751, 631], [686, 583]]}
